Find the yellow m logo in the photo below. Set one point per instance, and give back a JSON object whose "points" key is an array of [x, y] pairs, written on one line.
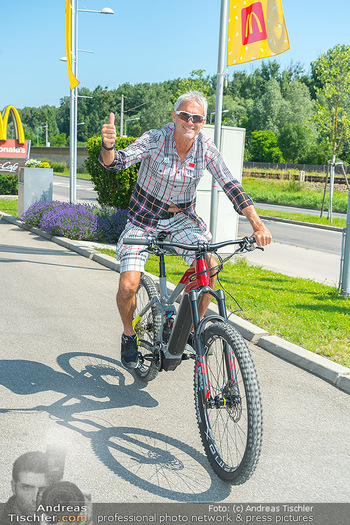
{"points": [[253, 24], [16, 122], [249, 24]]}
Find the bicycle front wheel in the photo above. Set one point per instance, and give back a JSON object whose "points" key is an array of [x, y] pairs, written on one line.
{"points": [[228, 404], [146, 328]]}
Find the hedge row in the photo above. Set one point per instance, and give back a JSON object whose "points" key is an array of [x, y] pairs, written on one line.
{"points": [[8, 184]]}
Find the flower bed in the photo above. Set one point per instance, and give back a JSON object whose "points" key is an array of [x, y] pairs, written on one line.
{"points": [[83, 222]]}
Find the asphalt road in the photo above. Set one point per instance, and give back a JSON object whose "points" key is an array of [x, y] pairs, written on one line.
{"points": [[130, 442], [304, 236], [85, 191]]}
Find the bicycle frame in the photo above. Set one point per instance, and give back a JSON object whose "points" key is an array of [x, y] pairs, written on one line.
{"points": [[194, 283]]}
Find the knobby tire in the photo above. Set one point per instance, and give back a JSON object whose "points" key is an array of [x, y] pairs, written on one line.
{"points": [[230, 420], [147, 328]]}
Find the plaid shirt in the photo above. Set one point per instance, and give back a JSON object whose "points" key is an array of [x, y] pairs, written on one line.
{"points": [[163, 180]]}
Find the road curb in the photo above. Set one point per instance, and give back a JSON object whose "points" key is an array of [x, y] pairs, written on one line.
{"points": [[333, 373]]}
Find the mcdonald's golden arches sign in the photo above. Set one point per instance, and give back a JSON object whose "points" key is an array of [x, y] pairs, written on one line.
{"points": [[256, 29], [13, 152]]}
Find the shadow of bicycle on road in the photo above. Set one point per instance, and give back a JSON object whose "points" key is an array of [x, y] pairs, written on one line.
{"points": [[154, 462]]}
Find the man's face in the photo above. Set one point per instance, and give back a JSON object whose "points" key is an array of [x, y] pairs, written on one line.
{"points": [[26, 490], [188, 130]]}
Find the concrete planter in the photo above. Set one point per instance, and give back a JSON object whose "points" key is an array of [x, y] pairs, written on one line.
{"points": [[34, 184]]}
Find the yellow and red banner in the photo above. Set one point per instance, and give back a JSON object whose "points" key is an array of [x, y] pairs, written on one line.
{"points": [[73, 82], [256, 29]]}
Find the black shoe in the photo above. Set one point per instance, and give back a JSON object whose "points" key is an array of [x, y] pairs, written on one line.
{"points": [[190, 340], [189, 347], [129, 353]]}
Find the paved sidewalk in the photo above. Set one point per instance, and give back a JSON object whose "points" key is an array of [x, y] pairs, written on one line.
{"points": [[286, 259]]}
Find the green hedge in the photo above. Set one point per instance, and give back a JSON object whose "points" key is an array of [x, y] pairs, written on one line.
{"points": [[113, 187], [8, 184]]}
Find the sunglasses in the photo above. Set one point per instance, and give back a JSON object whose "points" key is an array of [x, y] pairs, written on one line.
{"points": [[196, 119]]}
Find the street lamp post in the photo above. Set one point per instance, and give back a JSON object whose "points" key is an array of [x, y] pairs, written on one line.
{"points": [[218, 111], [129, 120], [74, 95], [46, 136], [213, 113]]}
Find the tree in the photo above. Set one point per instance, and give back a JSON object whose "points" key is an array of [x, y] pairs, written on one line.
{"points": [[295, 142], [269, 110], [300, 107], [332, 75], [59, 140], [264, 148], [195, 82]]}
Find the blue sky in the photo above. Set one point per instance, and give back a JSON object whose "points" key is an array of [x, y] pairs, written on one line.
{"points": [[144, 41]]}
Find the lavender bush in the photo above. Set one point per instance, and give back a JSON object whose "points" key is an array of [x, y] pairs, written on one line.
{"points": [[77, 221]]}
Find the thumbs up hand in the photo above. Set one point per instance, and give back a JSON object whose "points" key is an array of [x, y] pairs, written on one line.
{"points": [[109, 133]]}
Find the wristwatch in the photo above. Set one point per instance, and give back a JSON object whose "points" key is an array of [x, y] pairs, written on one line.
{"points": [[105, 147]]}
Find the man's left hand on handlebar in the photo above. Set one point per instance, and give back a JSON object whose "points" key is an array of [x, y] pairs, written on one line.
{"points": [[262, 236], [261, 233]]}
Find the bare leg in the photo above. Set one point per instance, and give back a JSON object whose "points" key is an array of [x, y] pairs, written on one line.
{"points": [[128, 284]]}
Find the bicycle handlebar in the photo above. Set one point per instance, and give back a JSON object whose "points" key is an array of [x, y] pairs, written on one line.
{"points": [[200, 247]]}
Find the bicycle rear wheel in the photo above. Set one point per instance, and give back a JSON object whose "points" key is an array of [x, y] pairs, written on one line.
{"points": [[146, 327], [228, 404]]}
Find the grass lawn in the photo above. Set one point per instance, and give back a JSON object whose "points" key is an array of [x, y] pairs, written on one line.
{"points": [[302, 217], [291, 192], [9, 206], [65, 173], [301, 311]]}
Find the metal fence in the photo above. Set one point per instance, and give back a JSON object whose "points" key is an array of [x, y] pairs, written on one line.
{"points": [[301, 167]]}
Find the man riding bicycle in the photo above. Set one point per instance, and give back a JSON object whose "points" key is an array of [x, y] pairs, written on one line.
{"points": [[173, 160]]}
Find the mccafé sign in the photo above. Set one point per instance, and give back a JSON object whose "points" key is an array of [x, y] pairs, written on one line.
{"points": [[13, 152]]}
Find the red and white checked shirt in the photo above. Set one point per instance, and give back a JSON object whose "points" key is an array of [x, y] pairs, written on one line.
{"points": [[163, 180]]}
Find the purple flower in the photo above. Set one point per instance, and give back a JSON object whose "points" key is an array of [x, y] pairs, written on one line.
{"points": [[77, 221]]}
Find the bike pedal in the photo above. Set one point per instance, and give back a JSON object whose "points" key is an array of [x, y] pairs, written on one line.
{"points": [[186, 357]]}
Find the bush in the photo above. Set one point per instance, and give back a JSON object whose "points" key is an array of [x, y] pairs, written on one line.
{"points": [[8, 184], [58, 167], [83, 222], [113, 187]]}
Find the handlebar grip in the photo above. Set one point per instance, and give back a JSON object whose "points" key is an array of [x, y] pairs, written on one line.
{"points": [[135, 242]]}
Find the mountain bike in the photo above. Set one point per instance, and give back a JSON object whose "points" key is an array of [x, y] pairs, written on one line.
{"points": [[226, 389]]}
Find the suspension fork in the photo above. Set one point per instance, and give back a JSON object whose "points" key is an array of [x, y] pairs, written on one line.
{"points": [[201, 362], [229, 356]]}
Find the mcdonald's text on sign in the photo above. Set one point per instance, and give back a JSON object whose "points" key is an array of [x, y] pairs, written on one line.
{"points": [[256, 29]]}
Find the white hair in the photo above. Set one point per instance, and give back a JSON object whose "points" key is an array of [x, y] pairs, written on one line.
{"points": [[190, 96]]}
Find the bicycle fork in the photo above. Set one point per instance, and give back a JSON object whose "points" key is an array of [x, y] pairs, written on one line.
{"points": [[201, 363]]}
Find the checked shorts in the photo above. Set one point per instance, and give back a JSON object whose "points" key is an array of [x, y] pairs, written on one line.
{"points": [[180, 228]]}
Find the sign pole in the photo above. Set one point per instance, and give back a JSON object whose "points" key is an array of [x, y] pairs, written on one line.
{"points": [[218, 112], [73, 106], [345, 277], [121, 132]]}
